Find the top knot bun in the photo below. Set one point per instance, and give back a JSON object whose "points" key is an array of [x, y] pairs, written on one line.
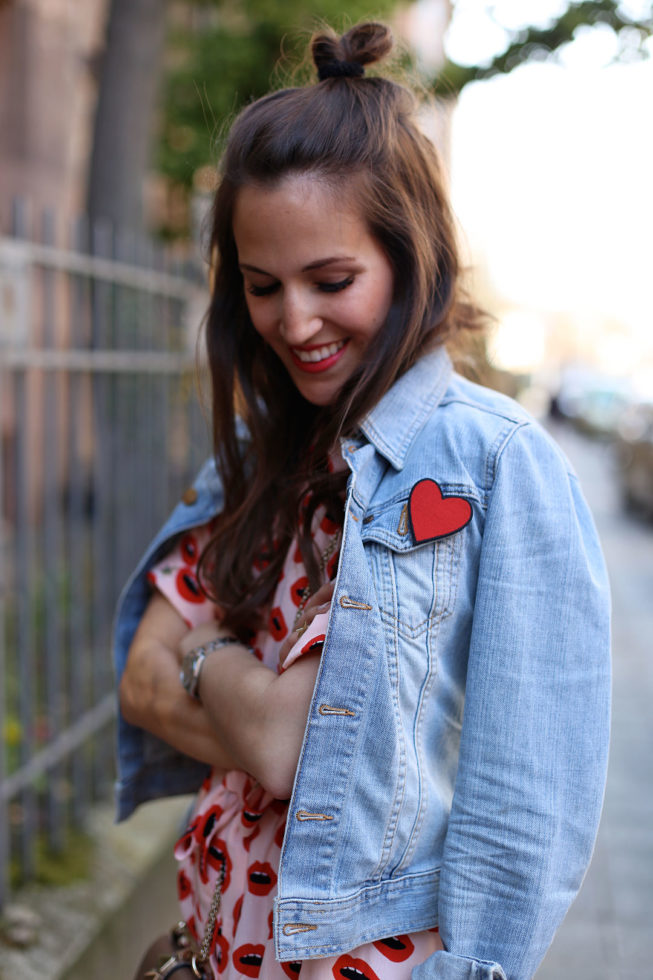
{"points": [[346, 56]]}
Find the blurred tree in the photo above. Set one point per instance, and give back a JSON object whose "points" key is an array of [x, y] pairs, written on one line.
{"points": [[221, 55], [222, 52], [539, 43]]}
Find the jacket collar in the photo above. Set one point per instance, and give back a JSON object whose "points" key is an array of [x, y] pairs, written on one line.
{"points": [[396, 420]]}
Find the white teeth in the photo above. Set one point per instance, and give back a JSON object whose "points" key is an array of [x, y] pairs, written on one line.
{"points": [[319, 353]]}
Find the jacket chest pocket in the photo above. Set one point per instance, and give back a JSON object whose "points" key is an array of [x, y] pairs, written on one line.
{"points": [[415, 582]]}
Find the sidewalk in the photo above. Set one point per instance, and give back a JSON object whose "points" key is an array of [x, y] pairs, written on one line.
{"points": [[98, 929], [608, 931]]}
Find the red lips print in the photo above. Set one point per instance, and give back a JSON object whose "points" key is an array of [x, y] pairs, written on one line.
{"points": [[202, 828], [297, 589], [248, 958], [238, 908], [247, 841], [183, 886], [352, 969], [189, 549], [292, 968], [187, 585], [316, 641], [185, 842], [329, 526], [277, 624], [396, 948], [261, 878], [192, 927], [249, 818], [220, 950], [216, 856], [433, 516]]}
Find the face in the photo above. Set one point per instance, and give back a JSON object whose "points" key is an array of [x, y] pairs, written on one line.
{"points": [[318, 286]]}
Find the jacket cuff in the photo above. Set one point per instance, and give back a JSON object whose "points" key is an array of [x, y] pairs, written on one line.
{"points": [[449, 966]]}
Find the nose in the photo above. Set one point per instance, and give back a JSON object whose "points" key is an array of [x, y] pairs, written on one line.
{"points": [[299, 317]]}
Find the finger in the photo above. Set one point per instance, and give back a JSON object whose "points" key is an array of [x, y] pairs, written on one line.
{"points": [[323, 594], [303, 623], [308, 615]]}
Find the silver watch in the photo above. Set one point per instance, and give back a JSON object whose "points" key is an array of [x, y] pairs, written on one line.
{"points": [[193, 661]]}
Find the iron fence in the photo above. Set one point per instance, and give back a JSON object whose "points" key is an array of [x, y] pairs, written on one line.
{"points": [[100, 428]]}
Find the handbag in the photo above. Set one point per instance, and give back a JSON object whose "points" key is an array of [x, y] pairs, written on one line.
{"points": [[176, 953]]}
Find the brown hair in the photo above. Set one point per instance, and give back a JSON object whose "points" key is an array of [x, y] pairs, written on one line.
{"points": [[346, 128]]}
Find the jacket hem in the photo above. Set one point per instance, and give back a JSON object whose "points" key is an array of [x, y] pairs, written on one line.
{"points": [[306, 929]]}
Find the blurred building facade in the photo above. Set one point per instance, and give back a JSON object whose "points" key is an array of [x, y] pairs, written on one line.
{"points": [[48, 55]]}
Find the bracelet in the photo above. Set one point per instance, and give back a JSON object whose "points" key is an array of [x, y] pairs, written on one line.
{"points": [[193, 661]]}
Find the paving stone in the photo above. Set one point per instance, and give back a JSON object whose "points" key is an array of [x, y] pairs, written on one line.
{"points": [[608, 931]]}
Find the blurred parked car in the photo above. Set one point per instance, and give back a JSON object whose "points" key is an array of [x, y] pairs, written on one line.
{"points": [[634, 447], [593, 402]]}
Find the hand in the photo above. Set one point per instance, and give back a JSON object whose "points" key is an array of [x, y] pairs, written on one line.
{"points": [[151, 696], [318, 603]]}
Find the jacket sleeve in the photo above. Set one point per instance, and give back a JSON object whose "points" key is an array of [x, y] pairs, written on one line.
{"points": [[148, 768], [534, 740]]}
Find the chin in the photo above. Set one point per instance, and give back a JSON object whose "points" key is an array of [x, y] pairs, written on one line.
{"points": [[318, 398]]}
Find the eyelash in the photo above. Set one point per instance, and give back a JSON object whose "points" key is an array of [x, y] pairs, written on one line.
{"points": [[325, 287]]}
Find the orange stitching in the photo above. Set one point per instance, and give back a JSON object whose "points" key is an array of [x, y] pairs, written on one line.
{"points": [[305, 815], [326, 709], [348, 603], [291, 928], [402, 528]]}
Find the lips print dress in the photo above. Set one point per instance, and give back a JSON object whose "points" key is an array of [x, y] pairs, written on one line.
{"points": [[238, 826]]}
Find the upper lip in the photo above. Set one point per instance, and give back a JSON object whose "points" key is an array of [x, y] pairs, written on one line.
{"points": [[325, 343]]}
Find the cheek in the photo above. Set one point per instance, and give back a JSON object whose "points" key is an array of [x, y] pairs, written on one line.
{"points": [[261, 322], [371, 313]]}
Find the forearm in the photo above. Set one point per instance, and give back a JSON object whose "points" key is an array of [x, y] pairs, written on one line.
{"points": [[151, 697], [259, 717], [249, 718]]}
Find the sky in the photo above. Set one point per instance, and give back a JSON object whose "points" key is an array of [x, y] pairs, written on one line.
{"points": [[551, 181]]}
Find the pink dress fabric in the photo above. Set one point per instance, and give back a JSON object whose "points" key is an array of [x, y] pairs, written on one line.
{"points": [[235, 823]]}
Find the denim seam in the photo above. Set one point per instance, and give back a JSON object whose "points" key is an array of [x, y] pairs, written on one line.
{"points": [[426, 688], [496, 450], [391, 885], [386, 888], [400, 785]]}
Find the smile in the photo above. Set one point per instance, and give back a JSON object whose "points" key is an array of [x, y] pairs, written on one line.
{"points": [[319, 358]]}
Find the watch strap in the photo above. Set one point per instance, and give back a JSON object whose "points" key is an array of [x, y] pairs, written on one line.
{"points": [[193, 661]]}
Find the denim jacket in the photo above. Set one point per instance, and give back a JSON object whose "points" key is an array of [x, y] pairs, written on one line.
{"points": [[453, 765]]}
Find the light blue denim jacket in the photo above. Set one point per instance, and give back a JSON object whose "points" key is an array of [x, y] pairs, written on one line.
{"points": [[453, 765]]}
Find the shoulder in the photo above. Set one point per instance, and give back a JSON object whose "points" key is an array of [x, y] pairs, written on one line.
{"points": [[474, 431]]}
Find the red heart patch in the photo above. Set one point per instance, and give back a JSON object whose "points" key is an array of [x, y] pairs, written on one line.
{"points": [[434, 516]]}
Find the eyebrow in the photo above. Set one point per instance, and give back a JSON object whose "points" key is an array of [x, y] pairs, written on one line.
{"points": [[318, 264]]}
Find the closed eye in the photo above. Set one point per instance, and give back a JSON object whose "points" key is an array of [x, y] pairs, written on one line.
{"points": [[324, 287], [262, 290], [335, 287]]}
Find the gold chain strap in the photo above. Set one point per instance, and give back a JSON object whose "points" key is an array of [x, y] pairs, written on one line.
{"points": [[324, 557], [203, 955], [198, 961]]}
